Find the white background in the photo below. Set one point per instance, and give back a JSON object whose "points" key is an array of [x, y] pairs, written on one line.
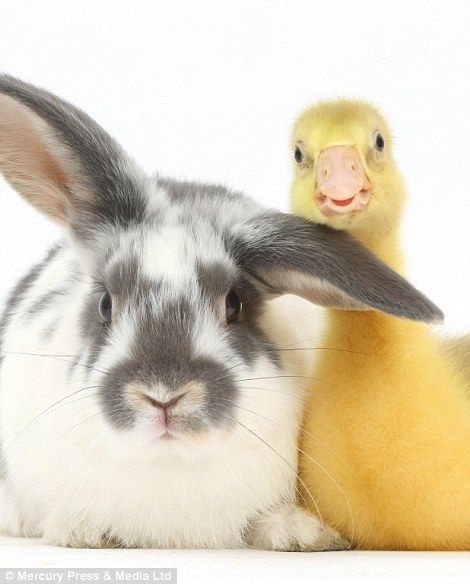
{"points": [[209, 90]]}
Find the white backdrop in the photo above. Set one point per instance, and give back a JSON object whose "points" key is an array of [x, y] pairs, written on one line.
{"points": [[208, 90]]}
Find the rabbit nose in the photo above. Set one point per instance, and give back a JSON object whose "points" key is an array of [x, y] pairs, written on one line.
{"points": [[162, 410], [166, 404]]}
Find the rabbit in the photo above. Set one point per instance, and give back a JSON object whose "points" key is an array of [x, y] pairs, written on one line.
{"points": [[147, 394]]}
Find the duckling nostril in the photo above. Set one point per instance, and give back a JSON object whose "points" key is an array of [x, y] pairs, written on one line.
{"points": [[323, 172]]}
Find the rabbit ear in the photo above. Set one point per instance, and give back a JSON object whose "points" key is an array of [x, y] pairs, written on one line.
{"points": [[62, 162], [288, 254]]}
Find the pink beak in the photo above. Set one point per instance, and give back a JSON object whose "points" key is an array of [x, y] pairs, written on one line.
{"points": [[342, 185]]}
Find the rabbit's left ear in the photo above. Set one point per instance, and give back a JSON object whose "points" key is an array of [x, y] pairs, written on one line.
{"points": [[62, 162], [288, 254]]}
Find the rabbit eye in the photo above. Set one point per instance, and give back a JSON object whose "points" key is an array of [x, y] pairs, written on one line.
{"points": [[106, 307], [379, 142], [298, 155], [233, 307]]}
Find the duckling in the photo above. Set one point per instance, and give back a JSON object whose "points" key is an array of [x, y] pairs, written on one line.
{"points": [[385, 444]]}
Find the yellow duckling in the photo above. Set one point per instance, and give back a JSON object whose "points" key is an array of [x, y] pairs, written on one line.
{"points": [[386, 441]]}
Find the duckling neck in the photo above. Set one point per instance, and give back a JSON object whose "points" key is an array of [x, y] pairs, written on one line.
{"points": [[360, 329], [385, 244]]}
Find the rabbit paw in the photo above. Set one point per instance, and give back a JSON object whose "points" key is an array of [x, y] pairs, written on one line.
{"points": [[12, 520], [291, 528], [65, 533]]}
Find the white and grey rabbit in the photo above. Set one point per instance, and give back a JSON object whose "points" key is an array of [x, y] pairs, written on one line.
{"points": [[145, 396]]}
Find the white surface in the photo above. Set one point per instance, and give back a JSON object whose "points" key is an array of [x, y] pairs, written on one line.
{"points": [[208, 90], [220, 566]]}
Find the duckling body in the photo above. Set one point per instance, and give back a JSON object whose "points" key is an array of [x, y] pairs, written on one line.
{"points": [[386, 443]]}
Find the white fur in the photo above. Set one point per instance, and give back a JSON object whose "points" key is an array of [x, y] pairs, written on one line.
{"points": [[72, 486]]}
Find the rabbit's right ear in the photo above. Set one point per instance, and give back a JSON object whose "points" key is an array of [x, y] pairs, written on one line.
{"points": [[62, 162], [290, 255]]}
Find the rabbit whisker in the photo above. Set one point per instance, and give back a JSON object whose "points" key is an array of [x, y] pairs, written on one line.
{"points": [[75, 427], [321, 348], [80, 423], [325, 349], [222, 377], [292, 377], [48, 409], [56, 357], [299, 396]]}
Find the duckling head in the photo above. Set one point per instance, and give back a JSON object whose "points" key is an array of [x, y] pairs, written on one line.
{"points": [[344, 172]]}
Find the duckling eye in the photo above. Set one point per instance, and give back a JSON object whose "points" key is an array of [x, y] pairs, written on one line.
{"points": [[233, 307], [379, 142], [106, 307], [298, 155]]}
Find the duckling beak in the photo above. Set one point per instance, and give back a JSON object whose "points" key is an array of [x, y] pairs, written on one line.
{"points": [[342, 184]]}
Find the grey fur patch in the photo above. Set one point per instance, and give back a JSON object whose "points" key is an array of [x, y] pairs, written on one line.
{"points": [[190, 191], [123, 281], [219, 207], [215, 280], [43, 303], [15, 298], [21, 289], [94, 331], [49, 331], [246, 337]]}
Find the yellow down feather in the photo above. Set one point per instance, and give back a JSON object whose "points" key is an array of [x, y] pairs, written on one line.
{"points": [[386, 440]]}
